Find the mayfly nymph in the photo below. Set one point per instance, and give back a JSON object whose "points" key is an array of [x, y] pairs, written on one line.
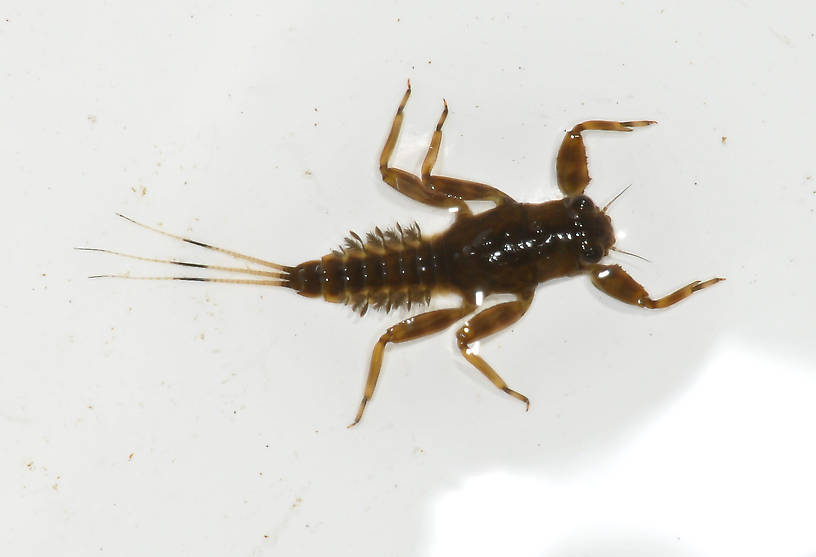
{"points": [[509, 249]]}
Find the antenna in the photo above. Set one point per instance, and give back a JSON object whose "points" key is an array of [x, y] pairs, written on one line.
{"points": [[614, 198], [613, 248]]}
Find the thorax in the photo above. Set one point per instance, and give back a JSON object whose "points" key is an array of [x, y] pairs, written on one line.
{"points": [[509, 248]]}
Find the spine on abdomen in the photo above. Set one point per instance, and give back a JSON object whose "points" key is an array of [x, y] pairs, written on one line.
{"points": [[382, 276]]}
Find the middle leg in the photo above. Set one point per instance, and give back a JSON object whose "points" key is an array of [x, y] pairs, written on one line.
{"points": [[437, 191], [486, 323], [455, 188]]}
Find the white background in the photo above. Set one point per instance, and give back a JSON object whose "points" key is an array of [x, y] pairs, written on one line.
{"points": [[190, 419]]}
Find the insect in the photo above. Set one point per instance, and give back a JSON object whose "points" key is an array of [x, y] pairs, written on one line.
{"points": [[508, 249]]}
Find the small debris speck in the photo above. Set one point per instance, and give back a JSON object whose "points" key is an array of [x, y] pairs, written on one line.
{"points": [[308, 173], [130, 456], [724, 138]]}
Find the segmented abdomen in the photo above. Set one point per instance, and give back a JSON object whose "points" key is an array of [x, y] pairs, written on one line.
{"points": [[388, 270]]}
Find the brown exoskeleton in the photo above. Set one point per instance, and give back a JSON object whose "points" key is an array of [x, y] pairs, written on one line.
{"points": [[508, 249]]}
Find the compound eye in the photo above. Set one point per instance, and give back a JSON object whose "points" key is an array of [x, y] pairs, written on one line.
{"points": [[591, 253], [580, 203]]}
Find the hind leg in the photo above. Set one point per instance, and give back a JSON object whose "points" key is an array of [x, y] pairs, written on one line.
{"points": [[437, 191], [571, 165], [412, 328]]}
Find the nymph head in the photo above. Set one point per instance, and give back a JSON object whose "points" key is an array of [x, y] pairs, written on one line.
{"points": [[591, 228]]}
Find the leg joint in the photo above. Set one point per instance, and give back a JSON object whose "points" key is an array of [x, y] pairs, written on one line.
{"points": [[462, 340]]}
